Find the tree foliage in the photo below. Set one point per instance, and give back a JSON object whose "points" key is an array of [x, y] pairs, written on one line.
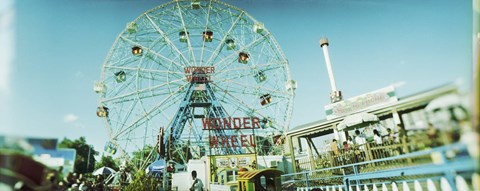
{"points": [[107, 161], [143, 182], [85, 154]]}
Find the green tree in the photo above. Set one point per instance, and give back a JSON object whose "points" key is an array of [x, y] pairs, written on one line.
{"points": [[107, 161], [84, 160], [143, 182]]}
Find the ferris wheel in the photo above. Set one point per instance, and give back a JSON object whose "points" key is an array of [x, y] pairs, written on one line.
{"points": [[185, 61]]}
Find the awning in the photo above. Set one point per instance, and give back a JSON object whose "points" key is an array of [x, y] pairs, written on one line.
{"points": [[104, 170], [444, 102], [357, 121], [156, 166]]}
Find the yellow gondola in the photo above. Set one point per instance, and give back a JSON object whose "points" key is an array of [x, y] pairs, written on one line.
{"points": [[260, 180]]}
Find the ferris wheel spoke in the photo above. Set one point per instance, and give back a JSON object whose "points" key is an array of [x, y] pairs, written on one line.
{"points": [[146, 161], [266, 66], [124, 61], [132, 138], [247, 91], [127, 116], [120, 55], [249, 46], [220, 45], [142, 107], [167, 39], [166, 105], [177, 67], [149, 71], [153, 52], [173, 101], [258, 90], [124, 87], [246, 88], [206, 28], [165, 19], [247, 108], [149, 89], [142, 97], [180, 14], [134, 124], [271, 106], [131, 97], [220, 21], [251, 87]]}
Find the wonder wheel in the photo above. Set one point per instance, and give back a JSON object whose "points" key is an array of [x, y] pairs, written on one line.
{"points": [[187, 64]]}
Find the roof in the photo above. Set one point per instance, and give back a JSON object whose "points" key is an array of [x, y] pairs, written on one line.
{"points": [[315, 123], [414, 100]]}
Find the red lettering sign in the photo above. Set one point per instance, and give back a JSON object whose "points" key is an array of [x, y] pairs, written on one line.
{"points": [[235, 123], [232, 141]]}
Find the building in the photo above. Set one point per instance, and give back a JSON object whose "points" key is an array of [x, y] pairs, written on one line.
{"points": [[309, 145]]}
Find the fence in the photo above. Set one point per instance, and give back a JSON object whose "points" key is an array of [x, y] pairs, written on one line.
{"points": [[371, 151], [361, 153], [428, 185], [449, 163]]}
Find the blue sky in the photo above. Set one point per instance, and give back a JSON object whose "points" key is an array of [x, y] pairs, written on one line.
{"points": [[59, 47]]}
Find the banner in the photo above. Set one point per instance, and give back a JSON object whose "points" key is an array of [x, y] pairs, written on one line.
{"points": [[362, 102]]}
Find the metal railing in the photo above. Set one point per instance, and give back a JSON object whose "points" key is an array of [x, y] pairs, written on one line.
{"points": [[371, 151], [446, 161], [462, 183], [366, 152]]}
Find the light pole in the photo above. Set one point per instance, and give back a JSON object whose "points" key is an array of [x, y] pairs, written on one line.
{"points": [[88, 159]]}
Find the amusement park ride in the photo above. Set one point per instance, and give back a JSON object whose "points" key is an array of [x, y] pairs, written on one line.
{"points": [[191, 79]]}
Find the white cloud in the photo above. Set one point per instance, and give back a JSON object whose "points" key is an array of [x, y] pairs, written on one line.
{"points": [[70, 118]]}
